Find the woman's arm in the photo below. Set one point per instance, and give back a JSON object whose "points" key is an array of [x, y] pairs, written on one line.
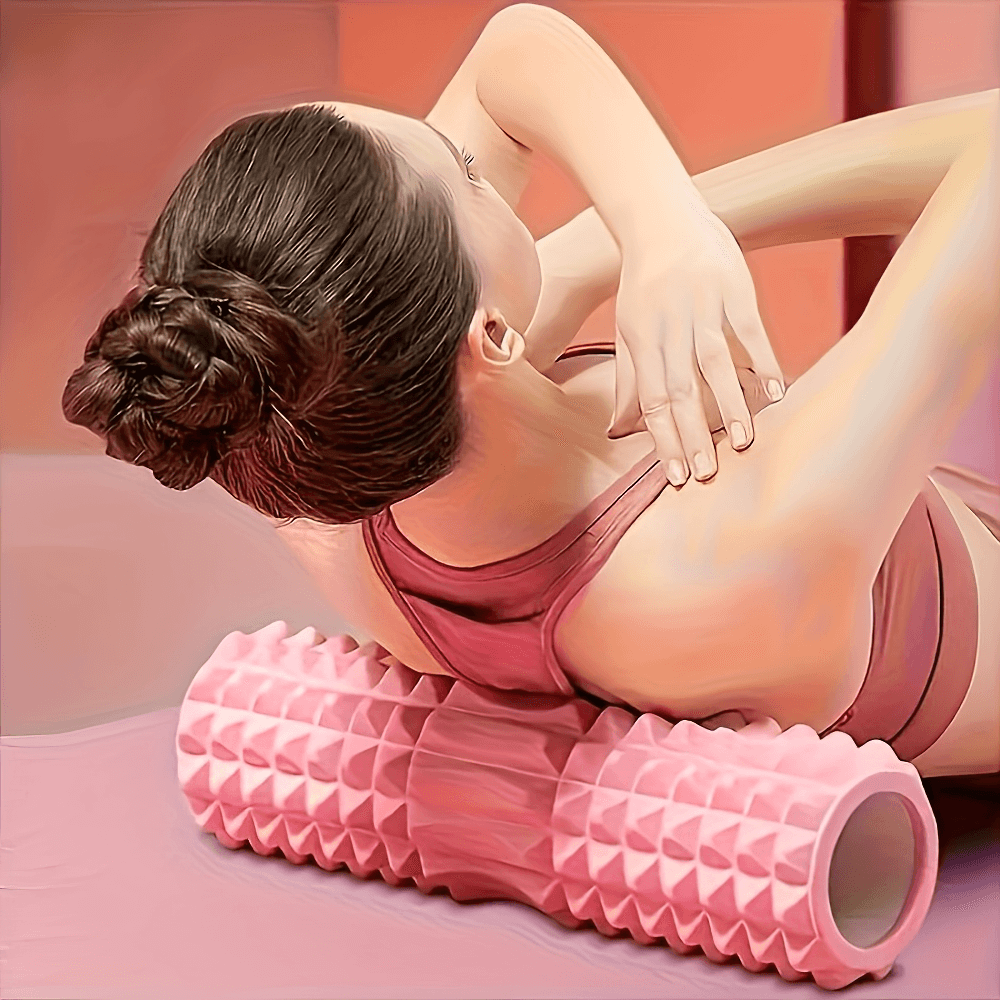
{"points": [[534, 80], [851, 444], [546, 85], [871, 176], [580, 264], [864, 177], [551, 87], [750, 593]]}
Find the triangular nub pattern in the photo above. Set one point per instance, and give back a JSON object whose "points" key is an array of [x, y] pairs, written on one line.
{"points": [[701, 838], [262, 755], [715, 845]]}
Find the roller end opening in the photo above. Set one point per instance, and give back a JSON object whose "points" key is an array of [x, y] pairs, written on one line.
{"points": [[874, 870]]}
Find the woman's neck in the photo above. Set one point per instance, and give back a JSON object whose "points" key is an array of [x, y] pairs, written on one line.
{"points": [[532, 457]]}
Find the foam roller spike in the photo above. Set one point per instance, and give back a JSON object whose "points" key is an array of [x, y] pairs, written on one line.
{"points": [[780, 848]]}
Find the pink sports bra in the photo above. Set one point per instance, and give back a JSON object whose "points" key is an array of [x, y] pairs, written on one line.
{"points": [[494, 624]]}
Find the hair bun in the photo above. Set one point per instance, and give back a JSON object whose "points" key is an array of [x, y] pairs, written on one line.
{"points": [[177, 376]]}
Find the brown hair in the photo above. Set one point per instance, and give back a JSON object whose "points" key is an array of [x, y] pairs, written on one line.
{"points": [[296, 332]]}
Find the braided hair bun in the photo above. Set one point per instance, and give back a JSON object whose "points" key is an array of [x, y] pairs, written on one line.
{"points": [[176, 378], [296, 333]]}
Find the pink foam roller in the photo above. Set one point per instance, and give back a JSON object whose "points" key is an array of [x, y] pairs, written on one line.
{"points": [[816, 856]]}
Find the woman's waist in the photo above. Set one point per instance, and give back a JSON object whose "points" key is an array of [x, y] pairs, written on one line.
{"points": [[924, 627], [970, 741]]}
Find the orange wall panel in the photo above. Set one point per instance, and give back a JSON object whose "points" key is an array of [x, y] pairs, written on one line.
{"points": [[723, 78], [402, 54]]}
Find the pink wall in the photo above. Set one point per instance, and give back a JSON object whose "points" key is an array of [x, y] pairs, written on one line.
{"points": [[115, 588], [104, 109]]}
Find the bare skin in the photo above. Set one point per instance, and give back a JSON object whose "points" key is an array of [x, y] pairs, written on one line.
{"points": [[969, 745], [705, 566], [337, 558]]}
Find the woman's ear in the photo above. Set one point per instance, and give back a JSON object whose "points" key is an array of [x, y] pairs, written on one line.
{"points": [[492, 342]]}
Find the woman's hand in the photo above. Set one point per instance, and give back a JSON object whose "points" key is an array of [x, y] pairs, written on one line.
{"points": [[678, 290], [753, 392]]}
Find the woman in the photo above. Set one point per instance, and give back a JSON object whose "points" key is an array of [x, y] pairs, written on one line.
{"points": [[345, 324]]}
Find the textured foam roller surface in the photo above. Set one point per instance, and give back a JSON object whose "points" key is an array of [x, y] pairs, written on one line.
{"points": [[780, 848]]}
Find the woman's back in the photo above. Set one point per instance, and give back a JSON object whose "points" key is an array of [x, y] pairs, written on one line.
{"points": [[707, 589], [341, 562], [708, 552]]}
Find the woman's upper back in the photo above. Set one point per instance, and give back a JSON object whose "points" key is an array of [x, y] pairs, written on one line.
{"points": [[646, 578], [494, 623]]}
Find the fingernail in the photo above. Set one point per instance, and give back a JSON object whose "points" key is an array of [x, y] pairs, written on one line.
{"points": [[675, 473], [737, 435], [702, 466], [774, 389]]}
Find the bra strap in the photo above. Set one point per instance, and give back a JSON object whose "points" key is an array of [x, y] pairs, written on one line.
{"points": [[370, 534], [607, 531]]}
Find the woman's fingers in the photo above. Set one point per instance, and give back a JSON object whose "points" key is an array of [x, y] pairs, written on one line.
{"points": [[744, 318], [753, 390], [717, 366], [651, 382], [684, 394], [627, 412], [683, 361]]}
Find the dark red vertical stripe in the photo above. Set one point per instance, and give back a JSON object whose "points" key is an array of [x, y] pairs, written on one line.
{"points": [[869, 43]]}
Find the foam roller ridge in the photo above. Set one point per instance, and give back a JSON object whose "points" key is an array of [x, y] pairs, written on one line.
{"points": [[751, 844]]}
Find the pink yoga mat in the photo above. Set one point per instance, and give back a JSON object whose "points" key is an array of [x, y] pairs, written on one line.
{"points": [[111, 891]]}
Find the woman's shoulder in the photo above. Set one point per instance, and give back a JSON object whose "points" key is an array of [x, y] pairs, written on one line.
{"points": [[703, 607], [337, 559]]}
